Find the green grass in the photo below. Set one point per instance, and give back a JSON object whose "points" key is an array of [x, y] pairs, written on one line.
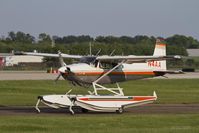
{"points": [[196, 58], [109, 123], [168, 90], [13, 93]]}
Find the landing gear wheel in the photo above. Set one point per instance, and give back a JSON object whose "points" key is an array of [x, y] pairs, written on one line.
{"points": [[120, 110], [84, 110]]}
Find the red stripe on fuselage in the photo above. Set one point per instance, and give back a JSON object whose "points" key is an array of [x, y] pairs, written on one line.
{"points": [[136, 98], [142, 98]]}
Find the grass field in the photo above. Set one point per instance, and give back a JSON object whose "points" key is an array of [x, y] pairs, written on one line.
{"points": [[168, 90], [21, 93], [109, 123]]}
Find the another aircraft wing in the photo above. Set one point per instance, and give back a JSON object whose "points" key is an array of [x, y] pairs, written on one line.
{"points": [[135, 59], [49, 55]]}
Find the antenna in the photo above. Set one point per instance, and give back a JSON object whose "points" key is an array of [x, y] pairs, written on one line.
{"points": [[52, 43], [112, 52], [98, 52]]}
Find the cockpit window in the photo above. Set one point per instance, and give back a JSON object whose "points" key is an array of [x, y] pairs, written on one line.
{"points": [[106, 65], [88, 60]]}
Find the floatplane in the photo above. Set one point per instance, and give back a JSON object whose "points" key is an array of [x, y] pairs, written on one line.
{"points": [[106, 69]]}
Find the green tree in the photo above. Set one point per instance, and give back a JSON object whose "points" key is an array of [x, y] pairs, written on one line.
{"points": [[183, 41], [190, 62], [44, 38]]}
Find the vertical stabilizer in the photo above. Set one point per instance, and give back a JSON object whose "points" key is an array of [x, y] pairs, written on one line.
{"points": [[160, 50]]}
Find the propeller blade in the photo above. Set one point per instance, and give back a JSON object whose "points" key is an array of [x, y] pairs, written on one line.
{"points": [[61, 61], [57, 78]]}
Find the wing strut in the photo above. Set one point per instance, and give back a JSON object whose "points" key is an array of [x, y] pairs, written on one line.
{"points": [[116, 91]]}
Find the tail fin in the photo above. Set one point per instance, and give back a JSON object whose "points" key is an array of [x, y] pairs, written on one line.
{"points": [[160, 50]]}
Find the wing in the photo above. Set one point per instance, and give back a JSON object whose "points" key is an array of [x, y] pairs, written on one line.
{"points": [[49, 55], [135, 59]]}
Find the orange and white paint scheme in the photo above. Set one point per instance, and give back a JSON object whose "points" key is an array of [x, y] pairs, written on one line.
{"points": [[106, 69], [112, 68], [133, 67]]}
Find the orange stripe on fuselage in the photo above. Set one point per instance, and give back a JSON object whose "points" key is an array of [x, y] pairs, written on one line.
{"points": [[114, 73]]}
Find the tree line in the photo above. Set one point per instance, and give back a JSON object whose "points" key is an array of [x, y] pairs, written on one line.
{"points": [[124, 45]]}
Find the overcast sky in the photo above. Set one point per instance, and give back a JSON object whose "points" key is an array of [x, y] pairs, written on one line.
{"points": [[101, 17]]}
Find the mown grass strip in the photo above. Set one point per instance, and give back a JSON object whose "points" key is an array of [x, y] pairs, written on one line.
{"points": [[107, 123], [24, 93]]}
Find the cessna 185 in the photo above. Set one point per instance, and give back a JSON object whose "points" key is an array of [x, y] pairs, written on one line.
{"points": [[98, 70]]}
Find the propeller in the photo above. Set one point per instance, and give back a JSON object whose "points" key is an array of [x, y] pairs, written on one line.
{"points": [[61, 70], [62, 63], [61, 60]]}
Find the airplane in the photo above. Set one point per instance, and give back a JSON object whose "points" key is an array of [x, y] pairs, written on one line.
{"points": [[96, 70]]}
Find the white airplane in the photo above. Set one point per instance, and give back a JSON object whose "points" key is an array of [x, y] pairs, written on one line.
{"points": [[98, 70]]}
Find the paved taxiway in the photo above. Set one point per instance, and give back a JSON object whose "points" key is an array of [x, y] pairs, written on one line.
{"points": [[42, 75], [145, 109], [27, 75]]}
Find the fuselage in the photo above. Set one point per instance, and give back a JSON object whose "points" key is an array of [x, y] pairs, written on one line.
{"points": [[88, 73]]}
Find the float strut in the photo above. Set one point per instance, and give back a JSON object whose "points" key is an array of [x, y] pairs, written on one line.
{"points": [[70, 108], [37, 104]]}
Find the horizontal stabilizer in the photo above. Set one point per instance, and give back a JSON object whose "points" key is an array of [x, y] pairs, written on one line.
{"points": [[170, 72]]}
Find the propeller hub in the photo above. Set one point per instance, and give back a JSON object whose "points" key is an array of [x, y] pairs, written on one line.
{"points": [[62, 69]]}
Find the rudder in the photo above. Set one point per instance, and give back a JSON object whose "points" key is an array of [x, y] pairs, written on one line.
{"points": [[160, 50]]}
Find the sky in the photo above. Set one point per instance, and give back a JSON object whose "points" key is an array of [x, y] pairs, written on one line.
{"points": [[100, 17]]}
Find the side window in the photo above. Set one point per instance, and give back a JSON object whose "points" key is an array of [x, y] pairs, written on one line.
{"points": [[105, 65], [96, 63], [120, 67]]}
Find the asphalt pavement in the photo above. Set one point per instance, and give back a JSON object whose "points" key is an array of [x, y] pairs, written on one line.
{"points": [[43, 75]]}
